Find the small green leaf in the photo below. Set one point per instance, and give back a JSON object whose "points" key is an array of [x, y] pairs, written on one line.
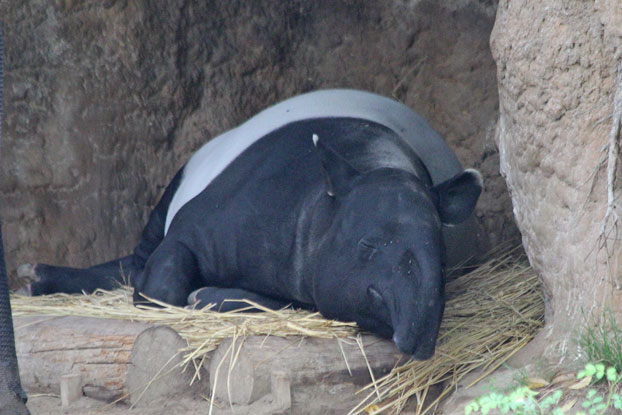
{"points": [[471, 407], [590, 369], [551, 399], [600, 371], [612, 374]]}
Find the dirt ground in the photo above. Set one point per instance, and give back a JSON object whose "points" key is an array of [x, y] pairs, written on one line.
{"points": [[51, 405], [312, 400]]}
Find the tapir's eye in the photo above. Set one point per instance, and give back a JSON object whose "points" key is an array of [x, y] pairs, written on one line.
{"points": [[378, 305], [375, 296], [366, 250]]}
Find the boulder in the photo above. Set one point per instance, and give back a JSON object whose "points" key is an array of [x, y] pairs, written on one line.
{"points": [[557, 63]]}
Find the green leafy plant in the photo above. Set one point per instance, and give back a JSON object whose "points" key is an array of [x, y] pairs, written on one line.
{"points": [[594, 403], [603, 344], [523, 401], [520, 401]]}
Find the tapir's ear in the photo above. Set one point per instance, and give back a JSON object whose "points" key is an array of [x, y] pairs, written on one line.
{"points": [[338, 173], [457, 196]]}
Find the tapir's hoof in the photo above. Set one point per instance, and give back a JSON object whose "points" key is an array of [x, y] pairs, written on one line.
{"points": [[27, 272], [192, 297]]}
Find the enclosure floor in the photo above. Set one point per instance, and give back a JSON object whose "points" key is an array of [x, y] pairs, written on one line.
{"points": [[51, 405]]}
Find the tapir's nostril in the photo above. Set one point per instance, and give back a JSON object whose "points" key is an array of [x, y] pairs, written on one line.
{"points": [[402, 345], [411, 348]]}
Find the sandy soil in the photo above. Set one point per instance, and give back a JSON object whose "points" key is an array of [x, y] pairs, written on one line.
{"points": [[311, 400], [51, 405]]}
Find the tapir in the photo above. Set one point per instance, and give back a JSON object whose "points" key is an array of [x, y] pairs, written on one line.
{"points": [[334, 200]]}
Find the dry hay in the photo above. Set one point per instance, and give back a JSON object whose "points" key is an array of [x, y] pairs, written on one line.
{"points": [[490, 314]]}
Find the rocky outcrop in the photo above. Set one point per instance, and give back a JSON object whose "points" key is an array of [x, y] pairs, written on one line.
{"points": [[557, 65], [105, 100]]}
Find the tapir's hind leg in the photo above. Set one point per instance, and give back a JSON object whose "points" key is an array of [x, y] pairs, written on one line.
{"points": [[153, 233], [229, 299], [48, 279]]}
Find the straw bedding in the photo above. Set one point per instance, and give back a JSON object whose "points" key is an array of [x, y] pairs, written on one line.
{"points": [[490, 314]]}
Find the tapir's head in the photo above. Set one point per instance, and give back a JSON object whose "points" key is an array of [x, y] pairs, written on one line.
{"points": [[382, 257]]}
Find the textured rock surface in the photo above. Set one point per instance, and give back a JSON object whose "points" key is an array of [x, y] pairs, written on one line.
{"points": [[105, 100], [557, 68]]}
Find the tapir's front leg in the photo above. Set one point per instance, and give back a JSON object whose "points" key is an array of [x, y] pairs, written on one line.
{"points": [[229, 299], [170, 275]]}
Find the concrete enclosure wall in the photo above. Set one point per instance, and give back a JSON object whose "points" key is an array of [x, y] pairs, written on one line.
{"points": [[104, 101]]}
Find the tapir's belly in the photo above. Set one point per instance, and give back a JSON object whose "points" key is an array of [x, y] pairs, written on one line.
{"points": [[211, 159]]}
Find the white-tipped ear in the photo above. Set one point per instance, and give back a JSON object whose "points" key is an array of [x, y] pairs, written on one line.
{"points": [[477, 175], [338, 173], [458, 196]]}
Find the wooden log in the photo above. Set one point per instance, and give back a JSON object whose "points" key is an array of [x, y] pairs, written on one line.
{"points": [[154, 371], [116, 358], [304, 361], [113, 358], [96, 349]]}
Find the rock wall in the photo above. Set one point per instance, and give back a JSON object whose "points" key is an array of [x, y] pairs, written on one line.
{"points": [[557, 65], [104, 101]]}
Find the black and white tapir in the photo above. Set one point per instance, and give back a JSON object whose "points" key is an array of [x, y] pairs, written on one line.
{"points": [[333, 200]]}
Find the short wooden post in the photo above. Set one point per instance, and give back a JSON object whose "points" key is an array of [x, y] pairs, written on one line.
{"points": [[70, 389], [280, 388]]}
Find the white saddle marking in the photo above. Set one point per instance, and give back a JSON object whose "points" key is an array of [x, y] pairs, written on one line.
{"points": [[213, 157]]}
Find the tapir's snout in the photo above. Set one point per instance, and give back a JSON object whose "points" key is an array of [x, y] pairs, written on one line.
{"points": [[417, 350], [416, 328]]}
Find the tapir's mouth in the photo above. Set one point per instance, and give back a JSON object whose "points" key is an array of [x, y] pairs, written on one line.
{"points": [[423, 354], [414, 350]]}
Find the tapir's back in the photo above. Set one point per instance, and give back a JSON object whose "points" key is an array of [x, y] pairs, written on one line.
{"points": [[211, 159]]}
